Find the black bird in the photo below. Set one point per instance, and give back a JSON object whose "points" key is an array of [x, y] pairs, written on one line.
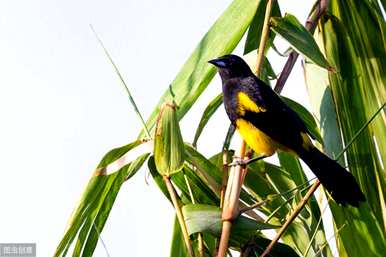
{"points": [[267, 124]]}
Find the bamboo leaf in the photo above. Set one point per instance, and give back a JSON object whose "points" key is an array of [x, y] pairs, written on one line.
{"points": [[178, 247], [255, 30], [131, 99], [90, 215], [196, 73], [207, 218], [266, 181], [353, 42], [209, 173], [168, 143], [279, 250], [208, 112], [300, 39]]}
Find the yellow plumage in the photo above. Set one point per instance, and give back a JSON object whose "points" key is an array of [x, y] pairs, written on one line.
{"points": [[260, 142], [247, 104], [255, 138]]}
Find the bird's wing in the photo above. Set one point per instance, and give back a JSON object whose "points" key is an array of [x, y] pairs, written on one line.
{"points": [[278, 120]]}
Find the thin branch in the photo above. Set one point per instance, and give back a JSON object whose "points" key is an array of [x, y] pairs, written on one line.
{"points": [[300, 206], [180, 217], [253, 206], [273, 213], [310, 25]]}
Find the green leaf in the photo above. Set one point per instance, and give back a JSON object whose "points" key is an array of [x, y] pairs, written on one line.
{"points": [[267, 181], [158, 178], [131, 99], [208, 112], [168, 143], [307, 118], [299, 38], [279, 250], [353, 42], [207, 171], [90, 215], [196, 73], [255, 30], [207, 218], [178, 247], [202, 193]]}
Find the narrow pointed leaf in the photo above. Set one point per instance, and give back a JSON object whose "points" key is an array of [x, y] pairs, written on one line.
{"points": [[178, 247], [353, 42], [277, 184], [208, 112], [299, 38], [255, 30]]}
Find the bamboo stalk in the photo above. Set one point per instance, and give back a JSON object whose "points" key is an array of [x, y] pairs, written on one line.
{"points": [[300, 206], [180, 216], [224, 176], [237, 173]]}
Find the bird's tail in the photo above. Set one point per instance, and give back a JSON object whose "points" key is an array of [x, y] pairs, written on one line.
{"points": [[340, 183]]}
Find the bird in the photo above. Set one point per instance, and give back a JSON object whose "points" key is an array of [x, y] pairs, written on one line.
{"points": [[267, 124]]}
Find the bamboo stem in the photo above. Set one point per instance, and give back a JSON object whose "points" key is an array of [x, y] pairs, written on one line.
{"points": [[300, 206], [180, 216], [224, 177], [237, 173], [263, 39]]}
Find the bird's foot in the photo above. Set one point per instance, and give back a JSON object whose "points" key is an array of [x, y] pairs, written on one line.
{"points": [[237, 161]]}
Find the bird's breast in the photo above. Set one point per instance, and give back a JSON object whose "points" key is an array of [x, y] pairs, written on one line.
{"points": [[255, 138]]}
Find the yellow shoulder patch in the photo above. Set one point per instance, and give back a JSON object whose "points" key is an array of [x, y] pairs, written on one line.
{"points": [[245, 103]]}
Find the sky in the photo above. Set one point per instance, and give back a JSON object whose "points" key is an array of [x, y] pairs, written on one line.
{"points": [[62, 108]]}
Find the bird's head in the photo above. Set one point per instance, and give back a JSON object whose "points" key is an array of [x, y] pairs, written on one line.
{"points": [[231, 66]]}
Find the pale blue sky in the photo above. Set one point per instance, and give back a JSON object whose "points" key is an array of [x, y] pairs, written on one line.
{"points": [[62, 108]]}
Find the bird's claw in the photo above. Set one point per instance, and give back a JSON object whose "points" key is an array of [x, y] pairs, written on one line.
{"points": [[237, 161]]}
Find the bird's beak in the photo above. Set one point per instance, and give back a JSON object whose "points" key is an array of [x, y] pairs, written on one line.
{"points": [[220, 63]]}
